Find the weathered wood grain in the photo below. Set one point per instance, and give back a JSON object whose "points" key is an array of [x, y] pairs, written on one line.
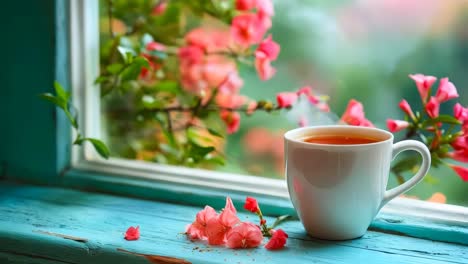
{"points": [[63, 226]]}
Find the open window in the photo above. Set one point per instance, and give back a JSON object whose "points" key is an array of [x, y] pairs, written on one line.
{"points": [[345, 49]]}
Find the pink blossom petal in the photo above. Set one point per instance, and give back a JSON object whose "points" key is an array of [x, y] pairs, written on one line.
{"points": [[216, 232], [432, 107], [244, 235], [423, 83], [446, 90], [354, 115], [396, 125], [263, 66], [270, 48], [277, 240], [132, 233], [461, 171], [404, 105], [286, 99], [247, 29]]}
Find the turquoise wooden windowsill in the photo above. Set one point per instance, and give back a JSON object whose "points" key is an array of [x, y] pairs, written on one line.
{"points": [[54, 225]]}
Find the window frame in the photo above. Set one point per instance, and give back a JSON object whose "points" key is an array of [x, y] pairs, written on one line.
{"points": [[171, 183]]}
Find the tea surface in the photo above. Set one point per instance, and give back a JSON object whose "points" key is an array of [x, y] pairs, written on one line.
{"points": [[340, 140]]}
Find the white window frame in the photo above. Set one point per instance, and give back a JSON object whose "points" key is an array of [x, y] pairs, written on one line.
{"points": [[84, 41]]}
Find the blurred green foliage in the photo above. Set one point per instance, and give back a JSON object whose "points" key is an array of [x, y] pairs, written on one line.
{"points": [[345, 49]]}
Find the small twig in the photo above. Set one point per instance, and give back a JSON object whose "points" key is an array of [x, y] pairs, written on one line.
{"points": [[169, 121], [109, 13]]}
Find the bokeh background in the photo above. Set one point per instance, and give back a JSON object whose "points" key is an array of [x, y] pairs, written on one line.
{"points": [[361, 49]]}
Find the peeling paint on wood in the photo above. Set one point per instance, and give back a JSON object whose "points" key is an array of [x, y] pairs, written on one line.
{"points": [[157, 259], [77, 239]]}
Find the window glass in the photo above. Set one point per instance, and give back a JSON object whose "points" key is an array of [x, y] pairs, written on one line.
{"points": [[348, 49]]}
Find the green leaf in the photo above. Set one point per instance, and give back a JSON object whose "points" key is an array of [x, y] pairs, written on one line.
{"points": [[114, 68], [447, 119], [216, 160], [215, 133], [168, 87], [55, 100], [61, 93], [132, 71], [198, 152], [127, 54], [281, 219], [100, 147], [78, 140], [101, 79]]}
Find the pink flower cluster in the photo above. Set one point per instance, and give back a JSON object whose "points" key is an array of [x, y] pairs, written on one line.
{"points": [[287, 99], [226, 228], [206, 65], [354, 115]]}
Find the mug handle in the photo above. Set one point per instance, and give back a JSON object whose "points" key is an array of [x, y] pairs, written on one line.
{"points": [[425, 166]]}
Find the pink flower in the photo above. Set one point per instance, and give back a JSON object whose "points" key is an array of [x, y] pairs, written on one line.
{"points": [[247, 29], [307, 90], [354, 115], [277, 240], [251, 205], [460, 112], [198, 228], [446, 90], [190, 55], [423, 83], [209, 39], [153, 45], [233, 101], [201, 77], [232, 84], [244, 235], [230, 205], [218, 227], [159, 9], [286, 99], [263, 66], [245, 5], [396, 125], [459, 155], [270, 48], [303, 121], [265, 7], [133, 233], [461, 142], [432, 107], [404, 105], [461, 171], [232, 120], [193, 232]]}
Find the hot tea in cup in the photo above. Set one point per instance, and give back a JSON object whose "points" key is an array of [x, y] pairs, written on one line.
{"points": [[337, 176]]}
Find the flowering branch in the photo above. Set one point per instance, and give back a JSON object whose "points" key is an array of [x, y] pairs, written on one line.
{"points": [[445, 135]]}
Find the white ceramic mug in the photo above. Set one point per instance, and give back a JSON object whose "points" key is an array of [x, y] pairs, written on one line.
{"points": [[337, 190]]}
